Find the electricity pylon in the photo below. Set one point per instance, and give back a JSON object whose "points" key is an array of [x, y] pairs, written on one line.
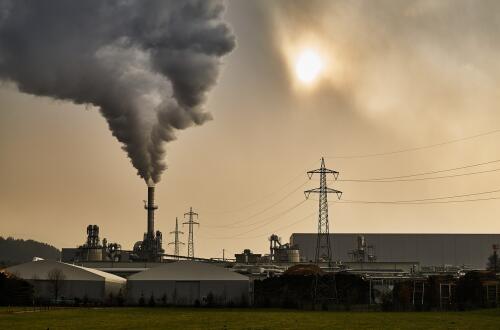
{"points": [[176, 241], [323, 248], [191, 222]]}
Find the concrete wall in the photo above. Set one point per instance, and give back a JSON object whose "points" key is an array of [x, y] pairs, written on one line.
{"points": [[187, 292], [428, 249]]}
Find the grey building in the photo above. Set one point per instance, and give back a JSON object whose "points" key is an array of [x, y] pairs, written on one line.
{"points": [[188, 282], [470, 250]]}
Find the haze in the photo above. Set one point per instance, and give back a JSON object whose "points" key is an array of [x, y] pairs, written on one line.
{"points": [[398, 75]]}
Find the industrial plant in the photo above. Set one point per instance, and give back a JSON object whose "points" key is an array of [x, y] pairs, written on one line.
{"points": [[225, 164], [382, 261]]}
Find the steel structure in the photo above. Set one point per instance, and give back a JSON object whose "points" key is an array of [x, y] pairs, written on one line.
{"points": [[323, 249], [93, 236], [191, 222], [176, 241], [150, 248]]}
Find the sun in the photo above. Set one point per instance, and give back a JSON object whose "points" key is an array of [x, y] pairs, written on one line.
{"points": [[308, 66]]}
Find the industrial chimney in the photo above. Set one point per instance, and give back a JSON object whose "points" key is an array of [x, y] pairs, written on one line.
{"points": [[151, 207], [150, 248]]}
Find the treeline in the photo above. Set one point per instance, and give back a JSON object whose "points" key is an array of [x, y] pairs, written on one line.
{"points": [[476, 289], [326, 291], [16, 251], [14, 291]]}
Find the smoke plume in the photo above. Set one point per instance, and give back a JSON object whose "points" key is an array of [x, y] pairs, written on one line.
{"points": [[147, 65]]}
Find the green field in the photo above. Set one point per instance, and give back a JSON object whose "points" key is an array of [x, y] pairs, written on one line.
{"points": [[181, 318]]}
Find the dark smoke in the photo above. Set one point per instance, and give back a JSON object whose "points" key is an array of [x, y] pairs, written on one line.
{"points": [[147, 65]]}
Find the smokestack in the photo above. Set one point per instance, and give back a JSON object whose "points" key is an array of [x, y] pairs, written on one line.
{"points": [[151, 207]]}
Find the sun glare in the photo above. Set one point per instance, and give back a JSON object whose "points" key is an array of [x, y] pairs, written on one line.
{"points": [[308, 66]]}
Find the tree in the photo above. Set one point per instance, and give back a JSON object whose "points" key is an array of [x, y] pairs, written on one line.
{"points": [[142, 301], [14, 291], [119, 298], [16, 251], [152, 302], [56, 278], [493, 262]]}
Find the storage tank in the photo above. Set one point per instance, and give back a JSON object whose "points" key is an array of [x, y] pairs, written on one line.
{"points": [[293, 255], [288, 255], [94, 254]]}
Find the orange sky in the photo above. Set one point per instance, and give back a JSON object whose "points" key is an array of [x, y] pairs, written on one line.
{"points": [[410, 75]]}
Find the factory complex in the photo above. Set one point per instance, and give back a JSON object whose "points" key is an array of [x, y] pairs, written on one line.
{"points": [[102, 272]]}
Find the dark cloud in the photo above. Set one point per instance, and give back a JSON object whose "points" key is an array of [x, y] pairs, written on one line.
{"points": [[146, 64]]}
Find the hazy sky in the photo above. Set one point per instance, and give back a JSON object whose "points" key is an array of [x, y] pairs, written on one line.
{"points": [[395, 75]]}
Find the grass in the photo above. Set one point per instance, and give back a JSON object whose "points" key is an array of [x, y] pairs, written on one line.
{"points": [[184, 318]]}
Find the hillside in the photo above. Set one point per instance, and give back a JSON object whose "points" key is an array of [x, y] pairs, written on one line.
{"points": [[16, 251]]}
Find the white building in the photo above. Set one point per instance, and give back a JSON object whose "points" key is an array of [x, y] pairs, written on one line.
{"points": [[67, 282], [189, 282]]}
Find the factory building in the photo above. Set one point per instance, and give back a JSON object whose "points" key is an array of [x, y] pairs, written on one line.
{"points": [[189, 283], [429, 250], [54, 280]]}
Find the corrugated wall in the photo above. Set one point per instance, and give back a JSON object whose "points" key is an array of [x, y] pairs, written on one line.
{"points": [[428, 249]]}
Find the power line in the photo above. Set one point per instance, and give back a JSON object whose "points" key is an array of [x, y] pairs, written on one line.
{"points": [[415, 148], [233, 224], [429, 172], [423, 199], [273, 231], [291, 224], [271, 218], [418, 203], [274, 218], [260, 198], [418, 179], [257, 200]]}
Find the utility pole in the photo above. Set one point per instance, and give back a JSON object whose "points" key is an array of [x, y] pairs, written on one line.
{"points": [[323, 248], [176, 241], [191, 222]]}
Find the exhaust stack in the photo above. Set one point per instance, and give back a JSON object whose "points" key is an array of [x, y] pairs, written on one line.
{"points": [[151, 207], [150, 248]]}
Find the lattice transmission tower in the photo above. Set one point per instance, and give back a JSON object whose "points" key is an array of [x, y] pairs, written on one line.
{"points": [[191, 222], [323, 247], [176, 241]]}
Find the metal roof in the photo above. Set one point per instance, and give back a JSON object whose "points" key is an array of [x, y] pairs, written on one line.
{"points": [[39, 270], [188, 271]]}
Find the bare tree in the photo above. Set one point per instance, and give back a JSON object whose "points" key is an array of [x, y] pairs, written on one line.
{"points": [[56, 278]]}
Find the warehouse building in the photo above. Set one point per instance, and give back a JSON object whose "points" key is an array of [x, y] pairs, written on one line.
{"points": [[54, 280], [189, 283], [430, 250]]}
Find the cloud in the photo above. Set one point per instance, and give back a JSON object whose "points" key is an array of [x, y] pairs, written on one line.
{"points": [[423, 59]]}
